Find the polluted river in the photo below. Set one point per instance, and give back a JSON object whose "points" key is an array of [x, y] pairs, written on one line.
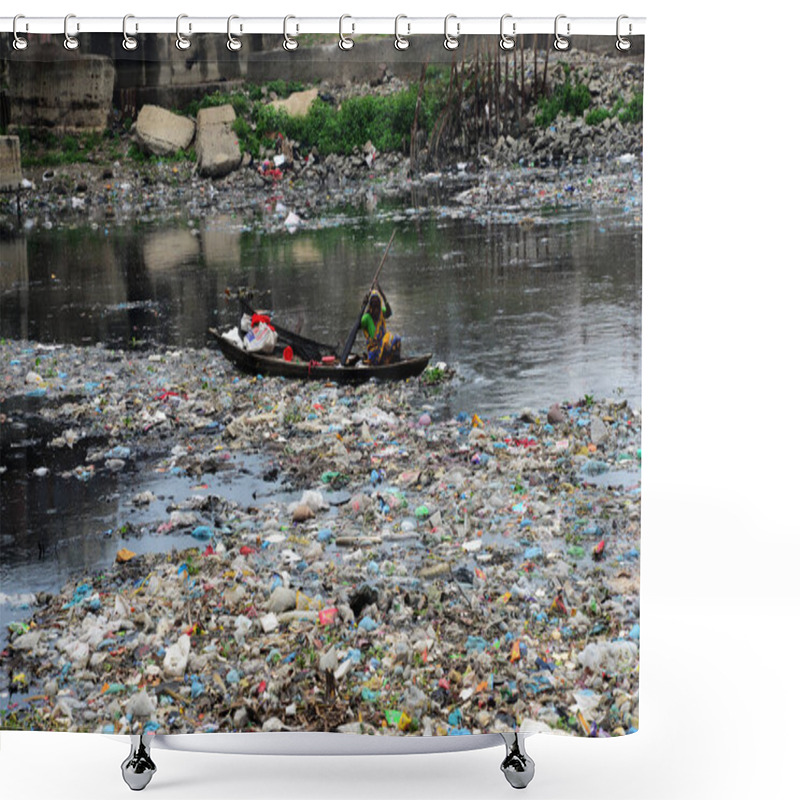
{"points": [[505, 480]]}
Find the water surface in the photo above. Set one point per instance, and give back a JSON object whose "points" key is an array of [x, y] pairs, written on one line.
{"points": [[528, 314]]}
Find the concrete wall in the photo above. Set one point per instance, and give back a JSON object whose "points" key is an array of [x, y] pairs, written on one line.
{"points": [[68, 94], [50, 88]]}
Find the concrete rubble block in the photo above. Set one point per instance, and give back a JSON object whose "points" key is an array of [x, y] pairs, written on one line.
{"points": [[298, 103], [161, 133], [217, 145], [10, 163]]}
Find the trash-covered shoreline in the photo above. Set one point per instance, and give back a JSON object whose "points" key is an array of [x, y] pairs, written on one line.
{"points": [[491, 191], [437, 576]]}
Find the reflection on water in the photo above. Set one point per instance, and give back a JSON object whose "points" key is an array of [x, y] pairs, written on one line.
{"points": [[529, 315]]}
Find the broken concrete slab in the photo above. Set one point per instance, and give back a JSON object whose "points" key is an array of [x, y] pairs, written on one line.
{"points": [[161, 133], [297, 104], [217, 145]]}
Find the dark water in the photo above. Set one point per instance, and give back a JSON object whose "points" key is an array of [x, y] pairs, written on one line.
{"points": [[528, 315]]}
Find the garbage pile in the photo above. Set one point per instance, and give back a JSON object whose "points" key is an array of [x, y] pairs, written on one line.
{"points": [[431, 575]]}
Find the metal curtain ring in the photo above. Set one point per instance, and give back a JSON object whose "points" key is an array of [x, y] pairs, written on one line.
{"points": [[181, 42], [400, 42], [20, 42], [70, 42], [345, 42], [289, 43], [233, 43], [507, 42], [450, 41], [623, 44], [561, 43], [128, 42]]}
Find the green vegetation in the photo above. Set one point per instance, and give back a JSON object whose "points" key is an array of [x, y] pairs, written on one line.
{"points": [[598, 115], [386, 121], [135, 153], [242, 99], [567, 98], [632, 111], [437, 108], [49, 150], [433, 375], [573, 98]]}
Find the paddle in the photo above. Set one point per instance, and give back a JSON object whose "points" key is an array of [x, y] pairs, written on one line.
{"points": [[348, 345]]}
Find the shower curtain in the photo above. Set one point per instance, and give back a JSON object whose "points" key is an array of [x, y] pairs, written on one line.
{"points": [[203, 536]]}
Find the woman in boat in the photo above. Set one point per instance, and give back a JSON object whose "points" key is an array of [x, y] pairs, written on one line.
{"points": [[382, 346]]}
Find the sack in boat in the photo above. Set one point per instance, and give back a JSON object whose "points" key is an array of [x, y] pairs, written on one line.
{"points": [[260, 339]]}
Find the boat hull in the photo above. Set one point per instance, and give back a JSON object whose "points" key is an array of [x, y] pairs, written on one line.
{"points": [[260, 364]]}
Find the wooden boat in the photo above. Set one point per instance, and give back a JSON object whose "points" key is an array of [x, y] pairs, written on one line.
{"points": [[356, 370]]}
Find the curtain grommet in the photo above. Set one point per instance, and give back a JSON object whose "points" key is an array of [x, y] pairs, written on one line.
{"points": [[401, 42], [451, 41], [622, 44], [128, 42], [507, 42], [71, 43], [561, 43], [234, 44], [345, 42], [290, 44], [20, 42], [181, 41]]}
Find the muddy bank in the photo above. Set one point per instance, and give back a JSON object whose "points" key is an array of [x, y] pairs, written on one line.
{"points": [[438, 575]]}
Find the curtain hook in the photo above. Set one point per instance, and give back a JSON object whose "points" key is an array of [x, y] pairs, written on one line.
{"points": [[507, 42], [181, 42], [450, 41], [289, 42], [623, 43], [345, 42], [70, 42], [20, 42], [400, 42], [128, 42], [561, 43], [233, 43]]}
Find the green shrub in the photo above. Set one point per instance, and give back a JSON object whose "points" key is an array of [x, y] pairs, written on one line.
{"points": [[597, 115], [283, 88], [239, 99], [386, 121], [633, 111], [567, 98], [135, 153]]}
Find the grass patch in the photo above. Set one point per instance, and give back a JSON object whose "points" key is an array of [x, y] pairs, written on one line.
{"points": [[137, 155], [49, 150], [632, 111], [386, 121]]}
